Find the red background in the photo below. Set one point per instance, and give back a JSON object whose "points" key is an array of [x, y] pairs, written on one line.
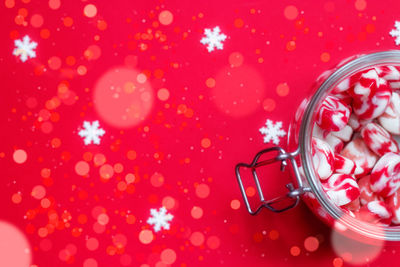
{"points": [[193, 139]]}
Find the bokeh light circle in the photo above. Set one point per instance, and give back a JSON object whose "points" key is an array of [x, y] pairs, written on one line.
{"points": [[123, 97], [20, 156], [354, 248], [14, 247]]}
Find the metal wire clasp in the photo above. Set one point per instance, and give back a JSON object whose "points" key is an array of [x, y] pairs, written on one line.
{"points": [[293, 195]]}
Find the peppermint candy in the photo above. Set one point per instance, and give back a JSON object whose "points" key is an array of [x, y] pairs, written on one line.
{"points": [[371, 95], [356, 136], [333, 114], [344, 165], [341, 189], [390, 119], [378, 139], [358, 152], [375, 212], [366, 193], [385, 176], [323, 158]]}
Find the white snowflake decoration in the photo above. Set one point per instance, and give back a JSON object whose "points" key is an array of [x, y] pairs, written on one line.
{"points": [[160, 219], [396, 32], [91, 132], [25, 48], [272, 132], [213, 39]]}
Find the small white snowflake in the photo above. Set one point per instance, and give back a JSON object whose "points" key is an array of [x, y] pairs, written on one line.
{"points": [[160, 219], [25, 48], [91, 132], [396, 32], [213, 39], [272, 132]]}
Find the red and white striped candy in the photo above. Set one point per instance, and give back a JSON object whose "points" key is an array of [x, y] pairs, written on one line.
{"points": [[357, 151], [333, 114], [334, 142], [344, 97], [385, 176], [373, 106], [393, 203], [390, 74], [344, 165], [344, 134], [378, 139], [319, 133], [375, 212], [341, 87], [341, 189], [371, 95], [356, 124], [365, 83], [390, 119], [323, 158], [366, 193]]}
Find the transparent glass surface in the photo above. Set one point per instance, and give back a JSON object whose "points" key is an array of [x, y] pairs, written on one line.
{"points": [[301, 133]]}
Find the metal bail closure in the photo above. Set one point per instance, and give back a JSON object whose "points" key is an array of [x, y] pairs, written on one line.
{"points": [[293, 195]]}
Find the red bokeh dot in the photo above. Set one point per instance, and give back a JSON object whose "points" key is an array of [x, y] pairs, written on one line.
{"points": [[235, 204], [90, 263], [82, 168], [38, 192], [163, 94], [168, 202], [197, 239], [20, 156], [269, 104], [54, 4], [311, 243], [37, 20], [213, 242], [168, 256], [165, 17], [90, 10], [205, 142], [196, 212], [54, 63], [282, 89], [202, 191], [295, 251], [146, 236], [106, 171], [291, 12], [92, 244], [157, 179]]}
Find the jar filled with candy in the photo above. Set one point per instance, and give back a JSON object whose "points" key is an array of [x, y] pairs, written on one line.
{"points": [[344, 149]]}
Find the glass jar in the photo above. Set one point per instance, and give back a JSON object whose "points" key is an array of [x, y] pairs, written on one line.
{"points": [[307, 185]]}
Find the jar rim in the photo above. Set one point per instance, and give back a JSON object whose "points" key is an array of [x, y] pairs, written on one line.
{"points": [[346, 69]]}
